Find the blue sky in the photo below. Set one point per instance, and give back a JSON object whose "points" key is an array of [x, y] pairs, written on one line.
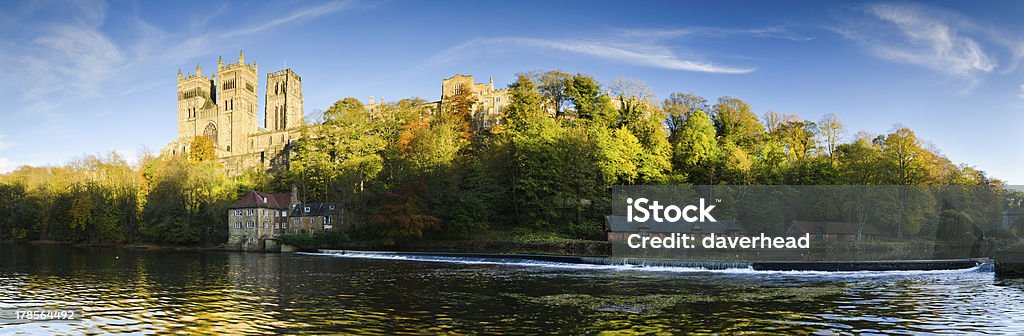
{"points": [[86, 77]]}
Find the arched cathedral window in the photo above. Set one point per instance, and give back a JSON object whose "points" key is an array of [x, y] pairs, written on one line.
{"points": [[211, 132]]}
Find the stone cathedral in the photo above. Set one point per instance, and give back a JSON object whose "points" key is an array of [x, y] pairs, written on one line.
{"points": [[223, 107]]}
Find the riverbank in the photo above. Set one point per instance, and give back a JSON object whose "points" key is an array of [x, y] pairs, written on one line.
{"points": [[128, 246]]}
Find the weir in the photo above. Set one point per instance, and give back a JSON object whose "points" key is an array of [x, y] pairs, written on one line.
{"points": [[823, 266]]}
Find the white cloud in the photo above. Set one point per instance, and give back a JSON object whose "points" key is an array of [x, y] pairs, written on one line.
{"points": [[6, 165], [935, 39]]}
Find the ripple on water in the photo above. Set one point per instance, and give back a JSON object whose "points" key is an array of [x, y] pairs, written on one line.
{"points": [[147, 292]]}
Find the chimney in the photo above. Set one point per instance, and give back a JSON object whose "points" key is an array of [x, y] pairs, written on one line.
{"points": [[371, 100]]}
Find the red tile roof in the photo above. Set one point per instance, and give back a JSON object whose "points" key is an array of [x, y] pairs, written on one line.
{"points": [[258, 199]]}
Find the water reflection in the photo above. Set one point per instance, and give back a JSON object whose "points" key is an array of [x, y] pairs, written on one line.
{"points": [[161, 292]]}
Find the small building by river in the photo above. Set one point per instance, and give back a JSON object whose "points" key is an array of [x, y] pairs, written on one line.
{"points": [[257, 218]]}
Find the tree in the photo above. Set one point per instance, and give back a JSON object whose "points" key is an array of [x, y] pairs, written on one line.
{"points": [[831, 130], [590, 103], [797, 136], [904, 157], [552, 87], [697, 153], [400, 217], [859, 161], [678, 108], [202, 149], [735, 122]]}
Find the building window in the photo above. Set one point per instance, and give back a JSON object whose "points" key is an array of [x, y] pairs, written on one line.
{"points": [[265, 213], [277, 225], [266, 225], [284, 224], [297, 221], [284, 213], [305, 209], [238, 224]]}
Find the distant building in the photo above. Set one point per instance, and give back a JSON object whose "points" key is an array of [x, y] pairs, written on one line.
{"points": [[257, 218], [833, 231], [619, 229], [487, 111]]}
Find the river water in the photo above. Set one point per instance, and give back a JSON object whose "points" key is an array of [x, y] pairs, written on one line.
{"points": [[159, 292]]}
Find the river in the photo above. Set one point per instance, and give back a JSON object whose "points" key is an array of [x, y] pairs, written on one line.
{"points": [[124, 291]]}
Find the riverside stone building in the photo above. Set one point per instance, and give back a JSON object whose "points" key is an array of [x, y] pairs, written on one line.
{"points": [[223, 107], [257, 218]]}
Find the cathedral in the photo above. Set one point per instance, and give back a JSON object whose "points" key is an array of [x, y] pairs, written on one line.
{"points": [[223, 107]]}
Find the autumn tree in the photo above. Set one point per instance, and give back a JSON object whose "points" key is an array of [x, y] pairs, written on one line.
{"points": [[202, 149]]}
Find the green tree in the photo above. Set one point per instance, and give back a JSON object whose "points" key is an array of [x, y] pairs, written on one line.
{"points": [[677, 109], [697, 153], [590, 103], [735, 122]]}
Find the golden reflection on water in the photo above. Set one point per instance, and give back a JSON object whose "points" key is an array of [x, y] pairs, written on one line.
{"points": [[168, 292]]}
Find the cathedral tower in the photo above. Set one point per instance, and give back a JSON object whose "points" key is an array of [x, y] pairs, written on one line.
{"points": [[197, 98], [284, 101], [237, 85]]}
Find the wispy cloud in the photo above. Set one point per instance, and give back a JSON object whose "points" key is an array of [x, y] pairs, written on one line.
{"points": [[297, 15], [656, 48], [716, 32], [939, 40], [74, 57], [650, 55]]}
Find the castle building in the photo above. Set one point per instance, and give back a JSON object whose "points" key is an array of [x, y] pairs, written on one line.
{"points": [[487, 110], [223, 108]]}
